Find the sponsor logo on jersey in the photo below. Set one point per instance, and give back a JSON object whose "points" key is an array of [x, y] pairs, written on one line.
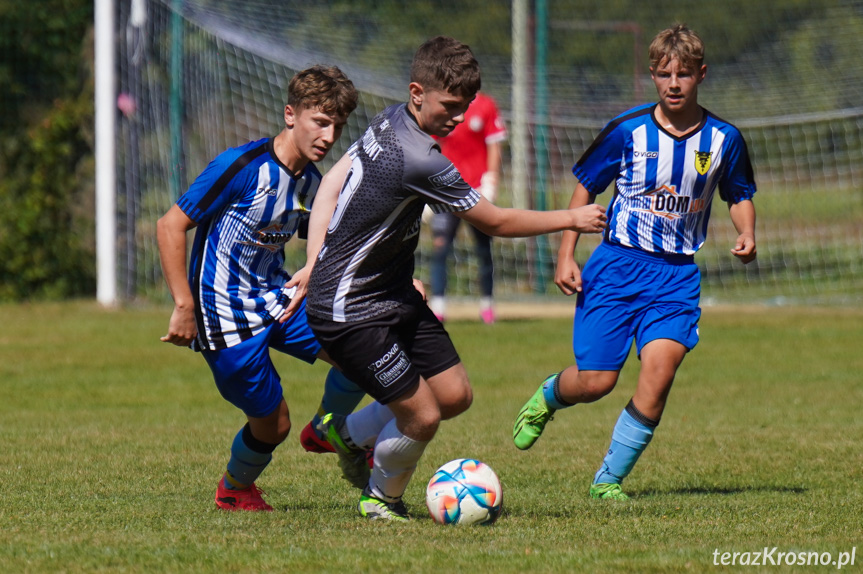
{"points": [[446, 177], [666, 202], [271, 238], [271, 191], [645, 154], [702, 161]]}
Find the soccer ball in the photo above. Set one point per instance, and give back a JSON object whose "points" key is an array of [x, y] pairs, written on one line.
{"points": [[464, 491]]}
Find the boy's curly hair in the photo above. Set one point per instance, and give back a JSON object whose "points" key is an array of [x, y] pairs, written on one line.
{"points": [[323, 87]]}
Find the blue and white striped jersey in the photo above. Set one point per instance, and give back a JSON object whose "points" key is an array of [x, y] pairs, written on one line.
{"points": [[664, 185], [247, 205]]}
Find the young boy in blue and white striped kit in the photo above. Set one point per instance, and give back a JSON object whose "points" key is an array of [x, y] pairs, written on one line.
{"points": [[666, 160], [236, 301]]}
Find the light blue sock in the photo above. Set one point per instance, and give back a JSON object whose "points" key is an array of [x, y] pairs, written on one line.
{"points": [[247, 460], [631, 435], [551, 393], [341, 396]]}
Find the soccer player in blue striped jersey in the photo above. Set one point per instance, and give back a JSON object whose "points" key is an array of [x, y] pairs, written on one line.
{"points": [[666, 160], [236, 302]]}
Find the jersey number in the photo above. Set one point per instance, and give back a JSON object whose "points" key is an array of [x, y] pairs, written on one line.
{"points": [[352, 183]]}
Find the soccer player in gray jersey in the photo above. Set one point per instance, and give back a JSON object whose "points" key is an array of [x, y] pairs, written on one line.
{"points": [[363, 305]]}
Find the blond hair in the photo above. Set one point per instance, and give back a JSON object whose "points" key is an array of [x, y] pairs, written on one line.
{"points": [[678, 42]]}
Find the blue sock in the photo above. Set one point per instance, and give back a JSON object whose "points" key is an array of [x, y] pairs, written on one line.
{"points": [[249, 458], [551, 393], [631, 435], [341, 396]]}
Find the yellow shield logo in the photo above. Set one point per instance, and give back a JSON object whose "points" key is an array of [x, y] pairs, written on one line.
{"points": [[702, 161]]}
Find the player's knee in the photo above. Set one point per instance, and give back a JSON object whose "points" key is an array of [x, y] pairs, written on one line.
{"points": [[660, 375], [422, 425], [272, 434], [274, 428], [430, 424], [283, 430], [275, 434], [596, 384], [453, 392], [457, 403]]}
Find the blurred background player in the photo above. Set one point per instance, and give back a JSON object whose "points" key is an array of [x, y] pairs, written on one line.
{"points": [[642, 282], [237, 302], [363, 305], [474, 147]]}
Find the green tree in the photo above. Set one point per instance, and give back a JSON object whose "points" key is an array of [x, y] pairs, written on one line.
{"points": [[46, 222]]}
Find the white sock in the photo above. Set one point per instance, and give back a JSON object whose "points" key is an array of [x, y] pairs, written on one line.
{"points": [[396, 458], [365, 424], [438, 305], [485, 303]]}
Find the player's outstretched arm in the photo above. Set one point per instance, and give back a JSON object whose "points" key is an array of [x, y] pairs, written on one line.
{"points": [[322, 211], [171, 235], [567, 274], [507, 222], [743, 218]]}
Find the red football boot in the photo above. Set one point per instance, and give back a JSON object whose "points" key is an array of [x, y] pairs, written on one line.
{"points": [[310, 441], [245, 499]]}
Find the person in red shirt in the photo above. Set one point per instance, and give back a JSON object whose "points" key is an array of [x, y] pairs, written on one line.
{"points": [[474, 147]]}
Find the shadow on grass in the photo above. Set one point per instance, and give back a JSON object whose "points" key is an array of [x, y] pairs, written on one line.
{"points": [[705, 490], [648, 495]]}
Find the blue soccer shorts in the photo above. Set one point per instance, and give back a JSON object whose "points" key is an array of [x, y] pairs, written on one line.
{"points": [[629, 294], [245, 374]]}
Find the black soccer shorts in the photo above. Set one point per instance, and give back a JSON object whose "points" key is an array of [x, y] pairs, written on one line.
{"points": [[386, 355]]}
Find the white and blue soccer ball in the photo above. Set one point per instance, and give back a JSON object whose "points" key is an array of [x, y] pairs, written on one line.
{"points": [[464, 491]]}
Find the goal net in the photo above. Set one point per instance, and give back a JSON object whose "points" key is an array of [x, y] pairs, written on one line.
{"points": [[199, 76]]}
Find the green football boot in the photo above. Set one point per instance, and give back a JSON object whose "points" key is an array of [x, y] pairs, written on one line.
{"points": [[374, 508], [607, 491], [352, 459], [531, 419]]}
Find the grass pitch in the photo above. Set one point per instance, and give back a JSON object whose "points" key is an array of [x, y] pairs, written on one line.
{"points": [[112, 443]]}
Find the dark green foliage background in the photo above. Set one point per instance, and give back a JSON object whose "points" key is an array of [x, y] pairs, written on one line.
{"points": [[46, 150], [47, 240]]}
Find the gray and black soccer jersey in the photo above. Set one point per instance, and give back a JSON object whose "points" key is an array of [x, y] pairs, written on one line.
{"points": [[366, 264]]}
